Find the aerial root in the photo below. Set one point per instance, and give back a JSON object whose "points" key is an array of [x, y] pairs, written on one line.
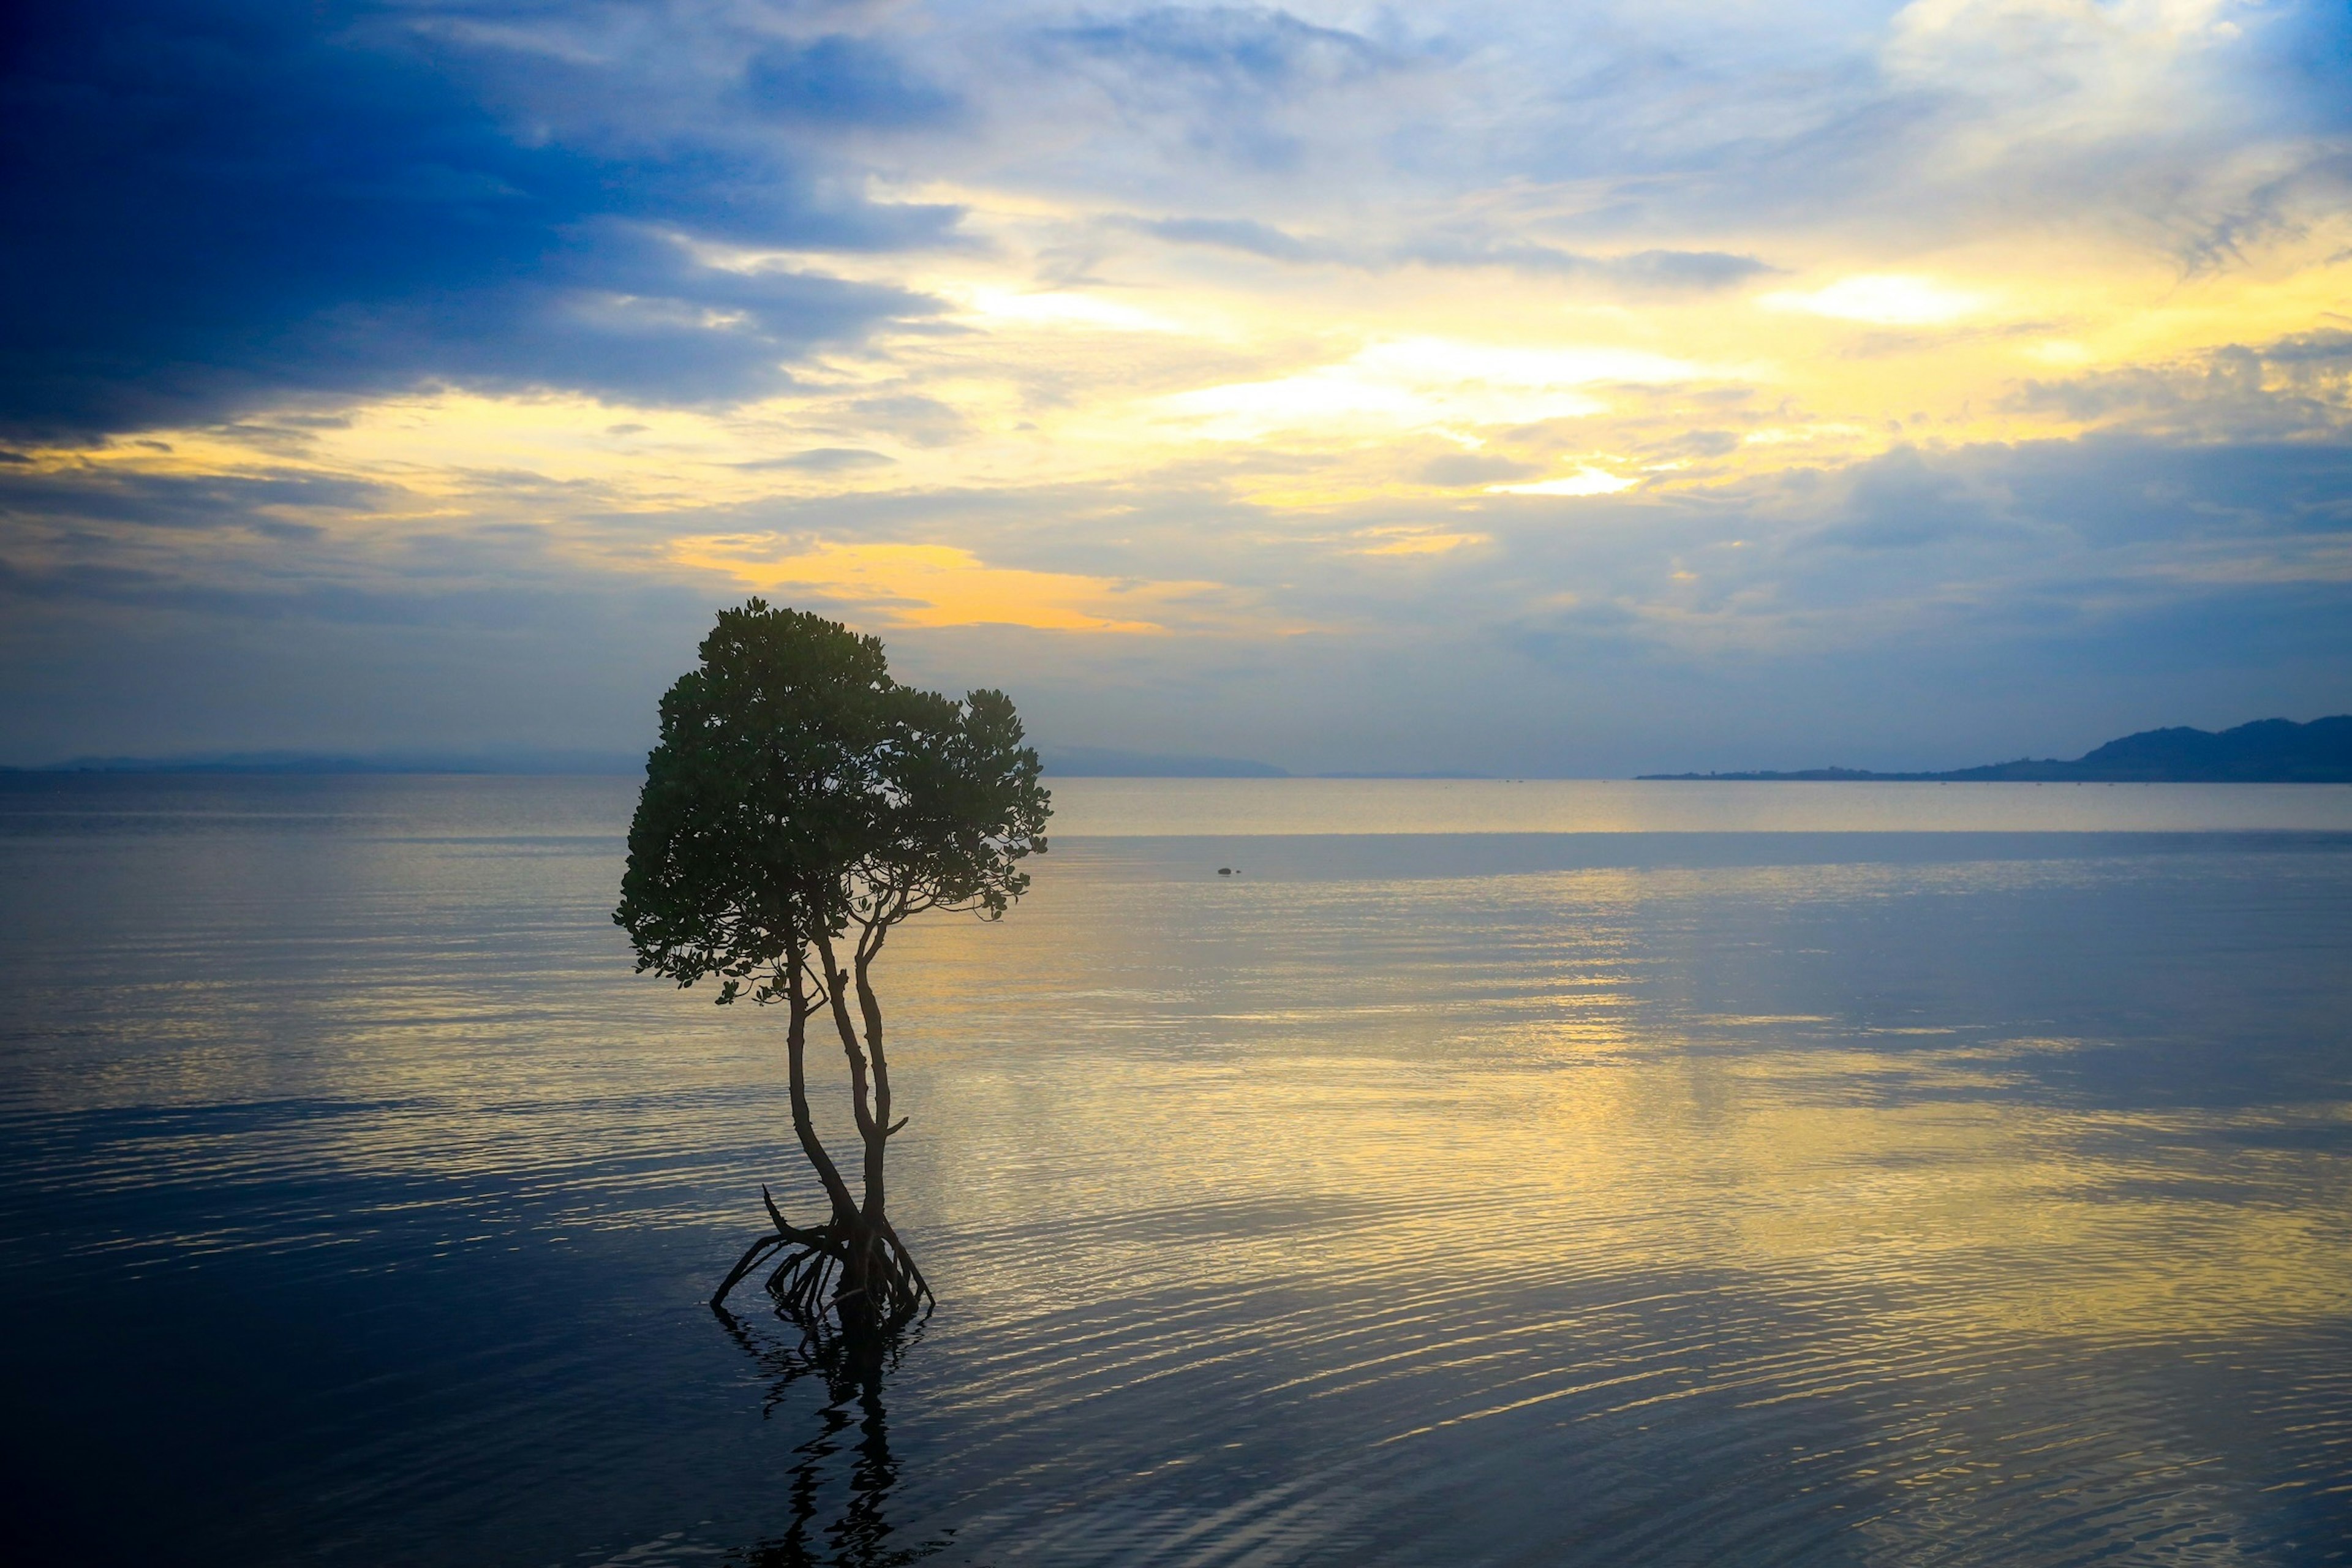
{"points": [[807, 1279], [744, 1265]]}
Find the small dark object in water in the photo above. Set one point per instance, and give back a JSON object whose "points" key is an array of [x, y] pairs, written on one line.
{"points": [[1227, 872]]}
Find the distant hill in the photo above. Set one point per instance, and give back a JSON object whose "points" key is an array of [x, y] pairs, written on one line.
{"points": [[2269, 751]]}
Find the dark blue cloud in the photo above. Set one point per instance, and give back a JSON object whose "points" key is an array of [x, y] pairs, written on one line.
{"points": [[1238, 82], [2120, 489], [73, 497], [211, 202], [2049, 528], [1240, 48], [843, 81], [1898, 502]]}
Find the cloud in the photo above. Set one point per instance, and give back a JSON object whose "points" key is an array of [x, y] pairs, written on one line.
{"points": [[1465, 385], [1900, 502], [1665, 271], [824, 460], [1458, 469], [214, 207], [1410, 541], [934, 585], [2298, 385], [1247, 235], [1241, 84], [163, 501], [2332, 347], [1938, 602], [836, 80], [1425, 383], [1654, 270], [917, 420], [1237, 49]]}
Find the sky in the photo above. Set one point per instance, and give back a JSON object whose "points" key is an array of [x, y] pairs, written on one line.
{"points": [[1512, 388]]}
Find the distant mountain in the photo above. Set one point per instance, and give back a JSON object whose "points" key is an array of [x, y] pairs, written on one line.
{"points": [[2269, 751], [616, 763], [1103, 763]]}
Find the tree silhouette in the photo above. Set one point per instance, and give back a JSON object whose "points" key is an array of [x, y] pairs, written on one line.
{"points": [[800, 806]]}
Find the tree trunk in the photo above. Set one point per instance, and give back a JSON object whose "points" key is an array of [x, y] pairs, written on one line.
{"points": [[876, 1128], [854, 1267], [802, 1008], [879, 1283]]}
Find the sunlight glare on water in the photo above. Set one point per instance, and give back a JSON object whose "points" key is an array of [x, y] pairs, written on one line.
{"points": [[1598, 1181]]}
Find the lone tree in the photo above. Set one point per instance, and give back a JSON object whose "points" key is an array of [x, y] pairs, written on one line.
{"points": [[800, 806]]}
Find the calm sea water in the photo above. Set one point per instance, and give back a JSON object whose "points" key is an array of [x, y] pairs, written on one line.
{"points": [[1488, 1174]]}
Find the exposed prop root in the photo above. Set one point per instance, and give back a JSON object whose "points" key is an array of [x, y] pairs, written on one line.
{"points": [[812, 1278]]}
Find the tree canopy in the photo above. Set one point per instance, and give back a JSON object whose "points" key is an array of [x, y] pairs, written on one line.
{"points": [[797, 787]]}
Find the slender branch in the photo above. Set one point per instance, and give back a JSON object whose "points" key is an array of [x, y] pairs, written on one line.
{"points": [[869, 948], [860, 1101], [828, 1174]]}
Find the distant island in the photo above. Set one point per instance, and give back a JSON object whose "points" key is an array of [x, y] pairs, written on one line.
{"points": [[2269, 751]]}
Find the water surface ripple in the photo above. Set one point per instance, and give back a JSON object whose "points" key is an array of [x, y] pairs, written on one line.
{"points": [[1932, 1194]]}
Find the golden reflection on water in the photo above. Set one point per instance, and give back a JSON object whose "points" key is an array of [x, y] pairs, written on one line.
{"points": [[1934, 1204], [1402, 1116]]}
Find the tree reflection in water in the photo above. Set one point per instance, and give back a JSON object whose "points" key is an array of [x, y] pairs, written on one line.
{"points": [[828, 1529]]}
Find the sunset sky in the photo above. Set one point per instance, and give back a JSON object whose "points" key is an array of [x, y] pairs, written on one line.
{"points": [[1503, 387]]}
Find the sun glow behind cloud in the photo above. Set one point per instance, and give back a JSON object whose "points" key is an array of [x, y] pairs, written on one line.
{"points": [[1891, 300], [1583, 482], [992, 307], [1421, 384]]}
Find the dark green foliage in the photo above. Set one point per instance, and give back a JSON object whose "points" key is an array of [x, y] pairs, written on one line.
{"points": [[796, 785], [759, 799], [965, 806]]}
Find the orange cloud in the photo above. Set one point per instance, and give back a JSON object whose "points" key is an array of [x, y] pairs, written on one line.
{"points": [[938, 584]]}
